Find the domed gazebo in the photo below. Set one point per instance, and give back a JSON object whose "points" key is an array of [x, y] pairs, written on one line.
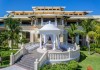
{"points": [[52, 32]]}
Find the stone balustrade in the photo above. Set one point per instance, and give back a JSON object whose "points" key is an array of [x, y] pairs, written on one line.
{"points": [[71, 54], [17, 55]]}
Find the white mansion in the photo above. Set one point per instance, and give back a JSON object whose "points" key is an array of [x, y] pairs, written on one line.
{"points": [[46, 25], [32, 21]]}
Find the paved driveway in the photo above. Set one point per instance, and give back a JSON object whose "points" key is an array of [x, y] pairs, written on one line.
{"points": [[13, 67]]}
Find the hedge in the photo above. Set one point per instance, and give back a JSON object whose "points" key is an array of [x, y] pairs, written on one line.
{"points": [[72, 65]]}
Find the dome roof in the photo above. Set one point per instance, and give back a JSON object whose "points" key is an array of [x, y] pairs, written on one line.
{"points": [[49, 27]]}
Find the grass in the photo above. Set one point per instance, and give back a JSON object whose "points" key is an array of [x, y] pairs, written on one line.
{"points": [[5, 54], [92, 60]]}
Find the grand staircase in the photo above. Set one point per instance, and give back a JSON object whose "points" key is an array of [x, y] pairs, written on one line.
{"points": [[27, 61]]}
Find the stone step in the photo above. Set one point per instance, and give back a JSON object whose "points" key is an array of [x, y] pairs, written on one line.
{"points": [[27, 61], [26, 66]]}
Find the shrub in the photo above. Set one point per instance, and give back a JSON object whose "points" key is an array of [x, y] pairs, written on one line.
{"points": [[82, 56], [83, 48], [97, 50], [72, 65], [92, 46]]}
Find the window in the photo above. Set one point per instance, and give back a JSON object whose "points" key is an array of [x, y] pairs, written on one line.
{"points": [[1, 23], [17, 13], [27, 35], [54, 9], [21, 13], [46, 9], [50, 9], [28, 22], [38, 35], [75, 14]]}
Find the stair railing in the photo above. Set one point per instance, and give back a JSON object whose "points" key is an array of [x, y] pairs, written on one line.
{"points": [[17, 55]]}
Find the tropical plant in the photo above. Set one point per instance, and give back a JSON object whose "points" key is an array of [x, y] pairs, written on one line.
{"points": [[13, 29], [88, 26], [73, 31], [71, 65], [3, 38]]}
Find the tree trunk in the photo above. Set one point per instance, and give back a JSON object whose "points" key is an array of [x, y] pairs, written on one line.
{"points": [[72, 40], [87, 42], [10, 43]]}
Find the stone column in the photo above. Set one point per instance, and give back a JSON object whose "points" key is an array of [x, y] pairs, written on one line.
{"points": [[19, 45], [31, 36], [40, 41], [58, 42], [35, 21], [54, 42], [44, 44], [69, 50], [20, 22], [11, 59], [77, 23], [41, 21], [77, 39], [66, 37], [36, 64], [55, 21], [31, 21]]}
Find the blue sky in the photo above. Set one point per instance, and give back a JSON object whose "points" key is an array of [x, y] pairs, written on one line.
{"points": [[71, 5]]}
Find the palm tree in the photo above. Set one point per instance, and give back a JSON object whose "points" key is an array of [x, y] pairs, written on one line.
{"points": [[13, 29], [95, 34], [73, 32], [88, 26]]}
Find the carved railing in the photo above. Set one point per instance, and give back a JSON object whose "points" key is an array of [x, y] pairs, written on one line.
{"points": [[43, 59], [17, 55], [58, 56]]}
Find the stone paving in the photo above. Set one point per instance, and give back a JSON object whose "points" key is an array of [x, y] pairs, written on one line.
{"points": [[13, 67]]}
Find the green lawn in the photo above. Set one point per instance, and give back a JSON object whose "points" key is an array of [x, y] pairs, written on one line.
{"points": [[90, 60], [5, 54]]}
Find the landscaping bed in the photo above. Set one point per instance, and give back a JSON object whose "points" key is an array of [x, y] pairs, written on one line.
{"points": [[5, 57], [72, 65]]}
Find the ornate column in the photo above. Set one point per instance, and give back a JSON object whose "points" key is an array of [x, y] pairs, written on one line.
{"points": [[44, 44], [77, 39], [19, 45], [31, 36], [54, 42], [66, 37], [31, 21], [41, 21], [55, 21], [40, 41], [20, 22], [35, 21], [58, 42], [77, 23]]}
